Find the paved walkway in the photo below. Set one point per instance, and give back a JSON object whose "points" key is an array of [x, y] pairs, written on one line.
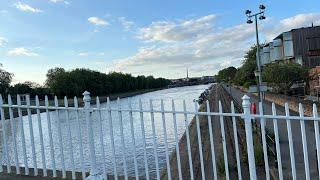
{"points": [[284, 143]]}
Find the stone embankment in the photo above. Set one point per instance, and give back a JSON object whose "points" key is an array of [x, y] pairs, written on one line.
{"points": [[216, 94]]}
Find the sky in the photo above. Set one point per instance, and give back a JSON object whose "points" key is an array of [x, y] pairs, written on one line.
{"points": [[142, 37]]}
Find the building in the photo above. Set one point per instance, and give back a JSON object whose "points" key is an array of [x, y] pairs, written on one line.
{"points": [[301, 46], [314, 81]]}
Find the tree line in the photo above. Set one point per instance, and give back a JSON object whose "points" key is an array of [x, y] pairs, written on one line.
{"points": [[280, 76], [74, 82]]}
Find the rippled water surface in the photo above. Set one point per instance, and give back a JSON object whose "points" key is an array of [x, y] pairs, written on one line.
{"points": [[128, 149]]}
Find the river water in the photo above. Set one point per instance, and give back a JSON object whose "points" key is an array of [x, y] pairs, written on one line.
{"points": [[188, 94]]}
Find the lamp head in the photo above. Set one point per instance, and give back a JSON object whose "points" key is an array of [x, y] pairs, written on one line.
{"points": [[262, 17], [262, 7], [249, 21], [248, 12]]}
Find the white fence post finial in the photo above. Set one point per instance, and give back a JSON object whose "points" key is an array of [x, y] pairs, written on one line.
{"points": [[248, 126], [86, 99], [94, 174]]}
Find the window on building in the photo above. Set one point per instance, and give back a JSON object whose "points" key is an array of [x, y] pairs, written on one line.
{"points": [[313, 43]]}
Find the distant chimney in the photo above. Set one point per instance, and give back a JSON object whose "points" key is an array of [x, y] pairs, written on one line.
{"points": [[312, 24], [187, 73]]}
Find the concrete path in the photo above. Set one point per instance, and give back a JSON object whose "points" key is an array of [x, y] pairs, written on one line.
{"points": [[284, 143]]}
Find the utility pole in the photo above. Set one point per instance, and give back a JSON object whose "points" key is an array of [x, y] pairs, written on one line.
{"points": [[249, 21]]}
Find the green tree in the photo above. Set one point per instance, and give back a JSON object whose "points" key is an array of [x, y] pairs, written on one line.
{"points": [[245, 74], [282, 76], [29, 87], [5, 81], [21, 88], [52, 76], [75, 82], [227, 74]]}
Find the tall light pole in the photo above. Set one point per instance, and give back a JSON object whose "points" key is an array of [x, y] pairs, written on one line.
{"points": [[261, 16]]}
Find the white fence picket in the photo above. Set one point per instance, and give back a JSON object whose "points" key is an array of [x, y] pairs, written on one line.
{"points": [[56, 104], [277, 139], [203, 176], [317, 135], [186, 125], [292, 156], [164, 124], [4, 137], [236, 143], [43, 157], [144, 141], [224, 144], [213, 154], [114, 159], [304, 143], [13, 127], [34, 158], [79, 133], [154, 137], [176, 138], [136, 170], [53, 161], [124, 153], [101, 139], [66, 105], [24, 150], [264, 142]]}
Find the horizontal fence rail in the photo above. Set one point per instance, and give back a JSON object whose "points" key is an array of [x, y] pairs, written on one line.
{"points": [[156, 139]]}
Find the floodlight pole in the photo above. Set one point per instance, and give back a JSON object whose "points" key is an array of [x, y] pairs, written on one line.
{"points": [[258, 61], [261, 17]]}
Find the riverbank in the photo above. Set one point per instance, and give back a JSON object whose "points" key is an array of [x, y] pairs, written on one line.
{"points": [[217, 93], [213, 98]]}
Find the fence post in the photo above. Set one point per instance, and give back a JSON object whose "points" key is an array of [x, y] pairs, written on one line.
{"points": [[94, 174], [248, 126]]}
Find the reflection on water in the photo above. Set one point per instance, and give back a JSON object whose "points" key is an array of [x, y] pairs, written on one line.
{"points": [[178, 94]]}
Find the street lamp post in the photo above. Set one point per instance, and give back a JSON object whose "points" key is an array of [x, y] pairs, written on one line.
{"points": [[249, 21]]}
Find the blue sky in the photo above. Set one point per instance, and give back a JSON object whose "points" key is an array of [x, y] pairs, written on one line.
{"points": [[159, 38]]}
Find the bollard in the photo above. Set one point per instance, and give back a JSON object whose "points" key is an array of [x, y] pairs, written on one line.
{"points": [[248, 126], [94, 173], [253, 108]]}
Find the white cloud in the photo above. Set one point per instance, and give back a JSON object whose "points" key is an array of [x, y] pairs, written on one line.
{"points": [[301, 20], [26, 8], [125, 23], [225, 64], [3, 41], [97, 21], [170, 31], [197, 44], [21, 51], [58, 1], [297, 21], [83, 54]]}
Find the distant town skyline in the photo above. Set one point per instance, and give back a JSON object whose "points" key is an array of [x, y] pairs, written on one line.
{"points": [[159, 38]]}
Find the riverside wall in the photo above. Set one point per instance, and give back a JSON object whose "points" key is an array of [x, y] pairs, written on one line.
{"points": [[217, 93]]}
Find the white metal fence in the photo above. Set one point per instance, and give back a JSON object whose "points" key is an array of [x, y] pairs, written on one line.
{"points": [[25, 151]]}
